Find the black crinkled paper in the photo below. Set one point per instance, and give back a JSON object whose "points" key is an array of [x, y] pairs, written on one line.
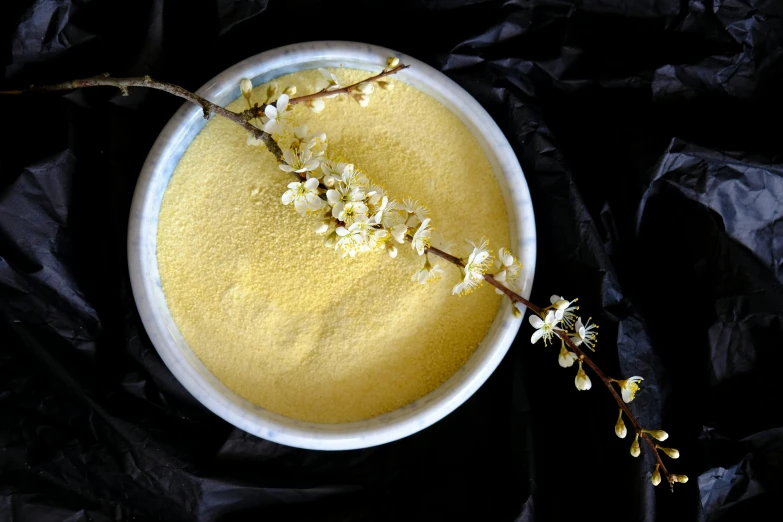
{"points": [[649, 132]]}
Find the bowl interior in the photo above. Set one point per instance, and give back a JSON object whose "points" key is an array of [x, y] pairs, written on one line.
{"points": [[174, 350]]}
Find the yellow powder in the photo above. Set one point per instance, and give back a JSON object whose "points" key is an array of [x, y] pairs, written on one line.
{"points": [[285, 322]]}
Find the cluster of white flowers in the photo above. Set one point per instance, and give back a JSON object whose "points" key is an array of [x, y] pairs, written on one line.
{"points": [[354, 214], [557, 319]]}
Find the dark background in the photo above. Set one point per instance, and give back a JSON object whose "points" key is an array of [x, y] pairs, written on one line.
{"points": [[650, 134]]}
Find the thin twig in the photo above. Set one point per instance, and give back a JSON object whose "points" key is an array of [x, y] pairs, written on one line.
{"points": [[123, 83], [623, 406], [489, 278], [516, 298], [258, 111]]}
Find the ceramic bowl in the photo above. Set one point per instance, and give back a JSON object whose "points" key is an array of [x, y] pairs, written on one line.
{"points": [[174, 350]]}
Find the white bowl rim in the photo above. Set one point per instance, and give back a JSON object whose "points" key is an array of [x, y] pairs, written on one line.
{"points": [[177, 355]]}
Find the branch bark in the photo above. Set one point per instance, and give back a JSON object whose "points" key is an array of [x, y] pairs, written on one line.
{"points": [[123, 84]]}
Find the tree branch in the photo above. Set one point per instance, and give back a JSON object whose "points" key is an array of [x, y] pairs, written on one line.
{"points": [[124, 83], [258, 111], [619, 400]]}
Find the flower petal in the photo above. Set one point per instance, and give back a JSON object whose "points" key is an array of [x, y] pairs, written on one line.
{"points": [[282, 103], [538, 334], [535, 321], [311, 165], [270, 112], [332, 196]]}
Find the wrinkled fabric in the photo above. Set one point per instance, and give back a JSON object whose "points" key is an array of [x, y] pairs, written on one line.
{"points": [[648, 131]]}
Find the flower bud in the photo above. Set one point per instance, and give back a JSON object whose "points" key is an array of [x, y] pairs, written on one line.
{"points": [[619, 429], [330, 240], [682, 479], [671, 452], [582, 381], [365, 88], [566, 359], [363, 100], [658, 434], [635, 449], [385, 85], [392, 62], [656, 476], [560, 304], [516, 311], [246, 86], [316, 105], [392, 250], [290, 90]]}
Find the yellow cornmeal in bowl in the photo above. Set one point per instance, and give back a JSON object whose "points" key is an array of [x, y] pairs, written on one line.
{"points": [[287, 323]]}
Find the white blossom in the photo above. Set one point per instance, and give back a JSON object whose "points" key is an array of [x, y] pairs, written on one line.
{"points": [[352, 177], [333, 171], [304, 196], [583, 333], [421, 239], [510, 272], [278, 115], [629, 387], [375, 196], [474, 270], [414, 207], [545, 328], [392, 62], [582, 381], [344, 195], [398, 232], [387, 213], [567, 358], [428, 272], [564, 309], [349, 243], [298, 160], [350, 211], [328, 83]]}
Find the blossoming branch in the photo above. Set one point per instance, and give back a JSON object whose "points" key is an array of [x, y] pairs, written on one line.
{"points": [[356, 215]]}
